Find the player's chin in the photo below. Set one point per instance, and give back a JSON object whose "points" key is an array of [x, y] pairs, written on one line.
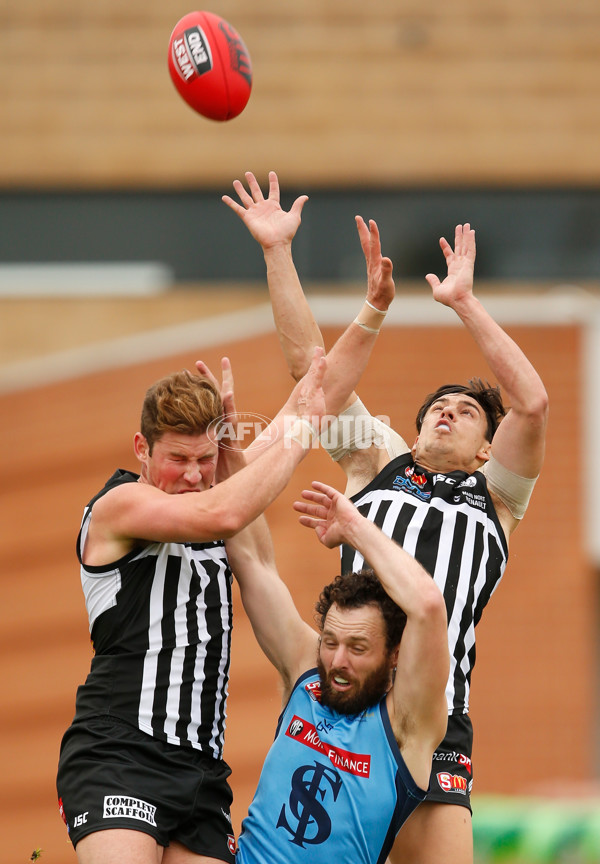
{"points": [[343, 701]]}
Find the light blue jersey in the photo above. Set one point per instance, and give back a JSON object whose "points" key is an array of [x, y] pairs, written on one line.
{"points": [[334, 787]]}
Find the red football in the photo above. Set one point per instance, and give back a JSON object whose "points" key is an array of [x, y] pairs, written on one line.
{"points": [[210, 65]]}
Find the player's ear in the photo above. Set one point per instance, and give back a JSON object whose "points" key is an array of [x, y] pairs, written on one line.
{"points": [[485, 451], [413, 449], [140, 447]]}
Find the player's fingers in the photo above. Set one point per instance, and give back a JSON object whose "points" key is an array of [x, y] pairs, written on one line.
{"points": [[254, 187], [316, 498], [298, 204], [205, 371], [374, 238], [237, 208], [308, 521], [311, 511], [227, 373], [242, 192], [363, 235], [323, 488], [273, 186], [445, 247]]}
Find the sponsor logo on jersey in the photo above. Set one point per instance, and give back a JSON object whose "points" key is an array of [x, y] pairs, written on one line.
{"points": [[295, 727], [313, 688], [61, 810], [465, 762], [412, 482], [468, 483], [191, 54], [471, 499], [129, 808], [453, 756], [452, 783], [358, 764]]}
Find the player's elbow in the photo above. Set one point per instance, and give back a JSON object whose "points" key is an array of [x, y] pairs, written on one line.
{"points": [[434, 602], [531, 410], [539, 405], [227, 520], [298, 360], [432, 608]]}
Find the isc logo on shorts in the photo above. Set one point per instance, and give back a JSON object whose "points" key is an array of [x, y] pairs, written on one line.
{"points": [[129, 808]]}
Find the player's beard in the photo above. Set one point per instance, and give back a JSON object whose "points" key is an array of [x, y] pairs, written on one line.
{"points": [[363, 696]]}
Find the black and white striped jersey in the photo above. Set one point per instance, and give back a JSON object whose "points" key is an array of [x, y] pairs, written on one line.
{"points": [[449, 524], [160, 623]]}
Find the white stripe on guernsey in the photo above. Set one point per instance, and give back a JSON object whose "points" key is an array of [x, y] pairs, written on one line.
{"points": [[99, 589], [216, 740], [462, 592], [199, 667], [413, 529], [375, 499], [154, 645], [442, 561], [178, 654]]}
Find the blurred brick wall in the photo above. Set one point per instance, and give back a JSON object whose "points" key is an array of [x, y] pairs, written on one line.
{"points": [[344, 92]]}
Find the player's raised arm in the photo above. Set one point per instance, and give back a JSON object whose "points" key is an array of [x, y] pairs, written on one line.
{"points": [[289, 643], [519, 441], [275, 228], [141, 511], [418, 702]]}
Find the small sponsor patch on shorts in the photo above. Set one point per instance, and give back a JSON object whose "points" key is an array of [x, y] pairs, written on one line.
{"points": [[452, 783], [121, 806]]}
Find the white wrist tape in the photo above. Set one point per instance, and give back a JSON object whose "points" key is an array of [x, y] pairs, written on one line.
{"points": [[356, 429], [370, 318], [513, 490]]}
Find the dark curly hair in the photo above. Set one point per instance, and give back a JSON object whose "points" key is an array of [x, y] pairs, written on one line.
{"points": [[363, 588], [487, 396]]}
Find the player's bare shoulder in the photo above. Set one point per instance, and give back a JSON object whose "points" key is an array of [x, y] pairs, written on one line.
{"points": [[362, 466]]}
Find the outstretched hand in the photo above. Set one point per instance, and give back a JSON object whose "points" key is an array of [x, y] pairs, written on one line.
{"points": [[264, 218], [380, 283], [460, 262], [328, 512]]}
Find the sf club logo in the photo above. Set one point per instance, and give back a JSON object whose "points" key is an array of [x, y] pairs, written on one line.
{"points": [[310, 820]]}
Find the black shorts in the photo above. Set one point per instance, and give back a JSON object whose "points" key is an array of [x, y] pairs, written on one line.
{"points": [[452, 770], [112, 775]]}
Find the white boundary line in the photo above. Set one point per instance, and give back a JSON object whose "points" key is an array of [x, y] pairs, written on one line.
{"points": [[90, 279], [137, 348], [562, 305]]}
